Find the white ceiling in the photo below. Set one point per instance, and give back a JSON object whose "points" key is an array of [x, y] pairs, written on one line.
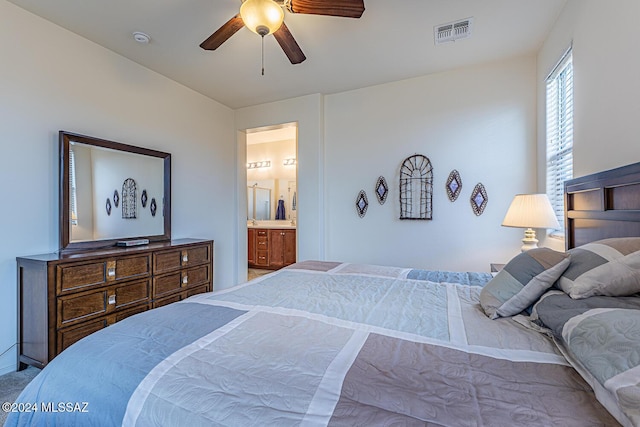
{"points": [[392, 41]]}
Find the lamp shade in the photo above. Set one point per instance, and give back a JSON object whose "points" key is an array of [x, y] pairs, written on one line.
{"points": [[530, 211], [263, 17]]}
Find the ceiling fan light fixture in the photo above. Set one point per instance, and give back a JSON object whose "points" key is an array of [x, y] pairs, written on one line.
{"points": [[263, 17]]}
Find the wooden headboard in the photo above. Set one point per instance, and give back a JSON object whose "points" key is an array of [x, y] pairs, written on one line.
{"points": [[602, 205]]}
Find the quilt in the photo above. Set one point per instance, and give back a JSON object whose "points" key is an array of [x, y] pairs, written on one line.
{"points": [[317, 344]]}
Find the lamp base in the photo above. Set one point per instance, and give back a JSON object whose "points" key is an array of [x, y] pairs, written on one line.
{"points": [[529, 242]]}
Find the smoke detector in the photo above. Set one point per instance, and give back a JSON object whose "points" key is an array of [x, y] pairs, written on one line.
{"points": [[141, 37], [452, 31]]}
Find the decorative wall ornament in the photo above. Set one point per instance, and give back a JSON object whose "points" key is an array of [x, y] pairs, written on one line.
{"points": [[143, 198], [362, 204], [479, 199], [454, 185], [116, 198], [416, 188], [382, 190], [107, 206], [153, 207], [129, 200]]}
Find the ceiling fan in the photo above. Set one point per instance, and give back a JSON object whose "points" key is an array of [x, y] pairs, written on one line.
{"points": [[265, 17]]}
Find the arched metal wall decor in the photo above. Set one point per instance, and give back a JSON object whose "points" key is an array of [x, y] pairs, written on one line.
{"points": [[416, 188], [454, 185], [479, 199], [129, 200]]}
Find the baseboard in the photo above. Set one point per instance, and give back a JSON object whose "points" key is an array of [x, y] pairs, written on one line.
{"points": [[8, 362]]}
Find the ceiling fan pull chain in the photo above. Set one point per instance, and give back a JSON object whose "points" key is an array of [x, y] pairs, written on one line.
{"points": [[263, 55]]}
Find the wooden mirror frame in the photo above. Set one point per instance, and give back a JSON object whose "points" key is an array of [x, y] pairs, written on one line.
{"points": [[65, 233]]}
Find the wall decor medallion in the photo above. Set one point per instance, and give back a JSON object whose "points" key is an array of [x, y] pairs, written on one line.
{"points": [[479, 199], [416, 188], [107, 206], [362, 204], [153, 207], [454, 185], [129, 201], [143, 198], [382, 190], [116, 198]]}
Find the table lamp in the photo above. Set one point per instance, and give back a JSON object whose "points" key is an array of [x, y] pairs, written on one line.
{"points": [[530, 211]]}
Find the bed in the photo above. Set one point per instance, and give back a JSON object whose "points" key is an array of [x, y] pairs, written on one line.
{"points": [[331, 343]]}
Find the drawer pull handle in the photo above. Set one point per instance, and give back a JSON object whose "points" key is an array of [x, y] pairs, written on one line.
{"points": [[111, 272], [112, 299], [185, 258], [185, 279]]}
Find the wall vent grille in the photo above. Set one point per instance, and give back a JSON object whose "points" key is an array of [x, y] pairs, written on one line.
{"points": [[452, 31]]}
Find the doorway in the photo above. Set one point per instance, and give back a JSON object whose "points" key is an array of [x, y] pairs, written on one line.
{"points": [[272, 198]]}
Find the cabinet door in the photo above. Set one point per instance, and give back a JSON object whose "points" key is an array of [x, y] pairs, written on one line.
{"points": [[289, 252], [251, 244], [276, 248]]}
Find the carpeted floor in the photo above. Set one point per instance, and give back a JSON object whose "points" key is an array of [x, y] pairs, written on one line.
{"points": [[12, 384]]}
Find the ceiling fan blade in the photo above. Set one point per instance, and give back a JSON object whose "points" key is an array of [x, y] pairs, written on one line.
{"points": [[289, 45], [343, 8], [223, 33]]}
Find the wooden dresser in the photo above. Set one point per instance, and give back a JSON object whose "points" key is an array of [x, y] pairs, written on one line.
{"points": [[65, 297]]}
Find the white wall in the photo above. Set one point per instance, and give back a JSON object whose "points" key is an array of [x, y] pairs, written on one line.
{"points": [[480, 121], [52, 79], [606, 66]]}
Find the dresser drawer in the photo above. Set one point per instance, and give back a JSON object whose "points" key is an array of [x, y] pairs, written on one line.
{"points": [[262, 258], [165, 285], [172, 282], [176, 259], [262, 243], [166, 301], [77, 277], [197, 290], [70, 335], [86, 305], [196, 276]]}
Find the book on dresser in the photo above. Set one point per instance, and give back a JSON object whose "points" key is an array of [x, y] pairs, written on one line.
{"points": [[63, 297]]}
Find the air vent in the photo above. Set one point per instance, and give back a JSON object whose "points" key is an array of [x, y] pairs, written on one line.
{"points": [[452, 31]]}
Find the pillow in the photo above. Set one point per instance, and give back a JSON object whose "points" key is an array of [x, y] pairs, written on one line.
{"points": [[522, 281], [609, 267]]}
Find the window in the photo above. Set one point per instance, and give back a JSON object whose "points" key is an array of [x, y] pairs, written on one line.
{"points": [[559, 134], [73, 207]]}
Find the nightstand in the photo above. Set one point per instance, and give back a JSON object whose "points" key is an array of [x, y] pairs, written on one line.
{"points": [[495, 268]]}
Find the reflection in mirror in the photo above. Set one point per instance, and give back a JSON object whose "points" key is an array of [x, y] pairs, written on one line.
{"points": [[258, 203], [103, 172], [94, 171]]}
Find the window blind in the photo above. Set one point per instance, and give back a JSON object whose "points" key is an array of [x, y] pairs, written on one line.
{"points": [[559, 133], [72, 186]]}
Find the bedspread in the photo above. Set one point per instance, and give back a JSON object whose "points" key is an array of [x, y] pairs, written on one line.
{"points": [[318, 344]]}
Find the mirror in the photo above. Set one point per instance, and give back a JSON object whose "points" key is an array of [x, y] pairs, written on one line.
{"points": [[111, 191], [258, 203]]}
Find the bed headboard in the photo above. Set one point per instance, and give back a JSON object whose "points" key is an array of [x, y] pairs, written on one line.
{"points": [[602, 205]]}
